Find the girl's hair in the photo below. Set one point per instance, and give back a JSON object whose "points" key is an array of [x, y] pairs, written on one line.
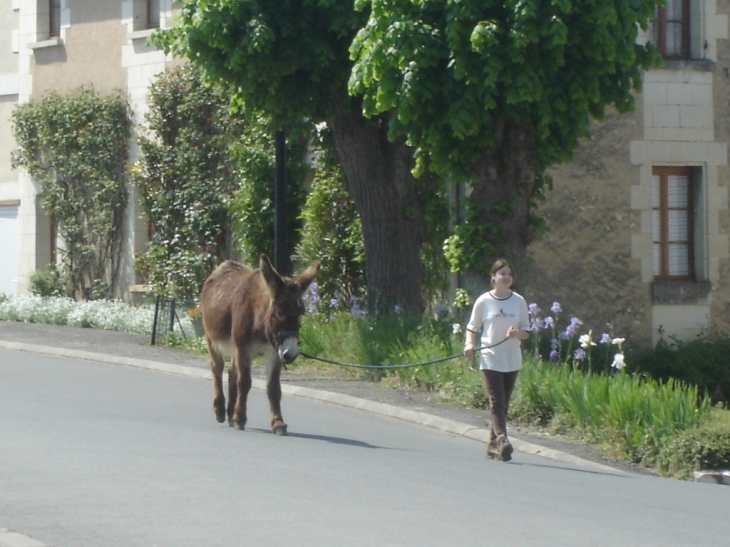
{"points": [[499, 264]]}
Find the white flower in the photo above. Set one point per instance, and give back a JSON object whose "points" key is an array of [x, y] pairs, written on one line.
{"points": [[456, 328], [585, 340], [618, 361], [618, 341]]}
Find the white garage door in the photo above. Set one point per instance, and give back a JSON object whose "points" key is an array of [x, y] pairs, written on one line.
{"points": [[8, 249]]}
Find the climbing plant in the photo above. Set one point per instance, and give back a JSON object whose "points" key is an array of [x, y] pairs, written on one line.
{"points": [[75, 148]]}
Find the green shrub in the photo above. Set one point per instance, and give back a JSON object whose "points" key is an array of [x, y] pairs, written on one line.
{"points": [[637, 414], [332, 234], [703, 362], [704, 446], [185, 178], [252, 205], [46, 282]]}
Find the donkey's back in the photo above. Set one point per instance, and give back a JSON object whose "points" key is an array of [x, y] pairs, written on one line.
{"points": [[232, 289]]}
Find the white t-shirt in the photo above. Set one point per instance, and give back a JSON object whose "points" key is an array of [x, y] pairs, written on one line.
{"points": [[494, 316]]}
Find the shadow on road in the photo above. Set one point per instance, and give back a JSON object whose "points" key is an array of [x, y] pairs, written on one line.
{"points": [[617, 474], [328, 439]]}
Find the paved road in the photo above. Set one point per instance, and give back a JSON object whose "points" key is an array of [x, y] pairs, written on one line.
{"points": [[101, 455], [348, 390]]}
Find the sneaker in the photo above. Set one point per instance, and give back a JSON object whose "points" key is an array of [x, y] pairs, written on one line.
{"points": [[492, 452], [504, 448]]}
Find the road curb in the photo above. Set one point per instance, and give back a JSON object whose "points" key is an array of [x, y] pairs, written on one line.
{"points": [[384, 409]]}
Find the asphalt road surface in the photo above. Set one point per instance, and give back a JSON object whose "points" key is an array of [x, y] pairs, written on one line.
{"points": [[102, 455]]}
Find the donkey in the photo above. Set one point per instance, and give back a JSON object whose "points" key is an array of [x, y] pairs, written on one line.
{"points": [[248, 313]]}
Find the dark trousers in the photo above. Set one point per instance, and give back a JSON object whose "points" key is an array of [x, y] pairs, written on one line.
{"points": [[499, 386]]}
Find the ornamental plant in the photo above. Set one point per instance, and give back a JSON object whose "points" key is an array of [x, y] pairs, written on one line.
{"points": [[75, 148], [566, 344], [186, 177]]}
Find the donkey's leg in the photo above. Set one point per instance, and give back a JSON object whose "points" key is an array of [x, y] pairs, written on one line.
{"points": [[232, 390], [273, 390], [216, 366], [243, 383]]}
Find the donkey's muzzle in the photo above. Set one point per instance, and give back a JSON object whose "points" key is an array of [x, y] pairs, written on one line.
{"points": [[288, 351]]}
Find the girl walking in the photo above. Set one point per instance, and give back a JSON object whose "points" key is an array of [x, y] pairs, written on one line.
{"points": [[500, 314]]}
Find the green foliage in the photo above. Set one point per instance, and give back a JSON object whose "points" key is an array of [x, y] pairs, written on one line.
{"points": [[434, 202], [703, 362], [75, 147], [705, 446], [337, 339], [284, 58], [468, 246], [185, 177], [252, 202], [332, 235], [449, 71], [636, 415], [46, 282]]}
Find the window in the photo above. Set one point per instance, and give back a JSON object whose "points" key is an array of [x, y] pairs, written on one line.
{"points": [[54, 18], [671, 196], [153, 13], [145, 14], [670, 29]]}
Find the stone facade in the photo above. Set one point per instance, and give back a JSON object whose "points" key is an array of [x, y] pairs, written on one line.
{"points": [[598, 259]]}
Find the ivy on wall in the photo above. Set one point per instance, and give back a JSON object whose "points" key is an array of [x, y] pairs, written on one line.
{"points": [[75, 148]]}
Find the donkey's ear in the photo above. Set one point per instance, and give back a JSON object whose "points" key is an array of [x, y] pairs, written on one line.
{"points": [[307, 276], [273, 280]]}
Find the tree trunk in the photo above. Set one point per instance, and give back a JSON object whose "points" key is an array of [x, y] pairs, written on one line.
{"points": [[505, 177], [384, 192]]}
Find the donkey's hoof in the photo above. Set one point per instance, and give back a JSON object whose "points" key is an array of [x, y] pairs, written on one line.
{"points": [[221, 418], [239, 425], [279, 429]]}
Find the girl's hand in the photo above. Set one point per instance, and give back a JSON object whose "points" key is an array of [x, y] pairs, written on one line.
{"points": [[515, 333], [469, 350]]}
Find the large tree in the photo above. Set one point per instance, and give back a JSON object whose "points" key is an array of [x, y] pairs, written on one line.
{"points": [[289, 58], [494, 91]]}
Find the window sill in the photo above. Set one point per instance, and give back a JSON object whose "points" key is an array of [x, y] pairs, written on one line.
{"points": [[700, 65], [677, 293], [141, 34], [51, 42]]}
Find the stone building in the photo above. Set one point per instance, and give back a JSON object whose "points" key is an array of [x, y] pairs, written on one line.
{"points": [[638, 239], [62, 45]]}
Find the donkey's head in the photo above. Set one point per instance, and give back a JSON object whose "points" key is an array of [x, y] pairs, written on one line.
{"points": [[285, 308]]}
